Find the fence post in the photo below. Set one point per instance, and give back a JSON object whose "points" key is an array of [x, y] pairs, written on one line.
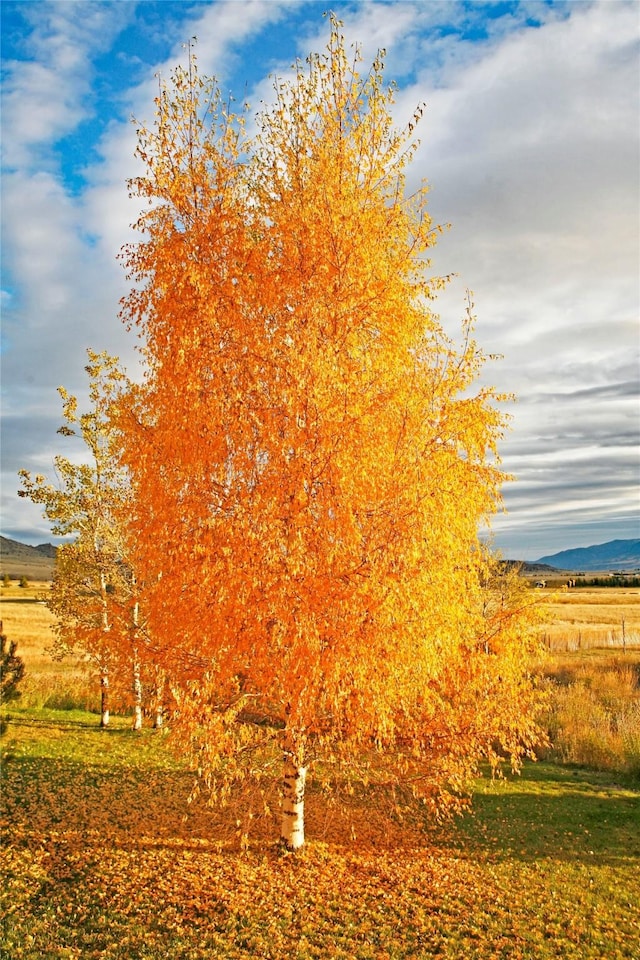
{"points": [[624, 638]]}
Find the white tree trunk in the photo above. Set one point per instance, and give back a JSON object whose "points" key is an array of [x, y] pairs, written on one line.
{"points": [[137, 677], [159, 699], [104, 679], [292, 830], [104, 698], [137, 692]]}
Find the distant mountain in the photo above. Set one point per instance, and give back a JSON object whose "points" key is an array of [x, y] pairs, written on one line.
{"points": [[47, 550], [528, 567], [20, 560], [37, 563], [614, 555]]}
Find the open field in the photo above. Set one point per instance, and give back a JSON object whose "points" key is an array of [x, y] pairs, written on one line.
{"points": [[576, 620], [598, 617], [26, 620], [103, 857], [594, 680]]}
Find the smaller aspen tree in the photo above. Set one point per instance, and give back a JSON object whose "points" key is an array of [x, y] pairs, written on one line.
{"points": [[92, 596], [311, 457]]}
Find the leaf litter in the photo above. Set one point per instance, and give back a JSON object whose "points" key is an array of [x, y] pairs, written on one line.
{"points": [[103, 857]]}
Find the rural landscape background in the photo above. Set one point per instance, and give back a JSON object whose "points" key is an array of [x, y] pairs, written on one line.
{"points": [[104, 856], [273, 691]]}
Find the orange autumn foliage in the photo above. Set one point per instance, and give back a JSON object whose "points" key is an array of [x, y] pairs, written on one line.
{"points": [[310, 463]]}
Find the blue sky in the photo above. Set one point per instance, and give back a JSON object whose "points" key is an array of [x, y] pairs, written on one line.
{"points": [[530, 143]]}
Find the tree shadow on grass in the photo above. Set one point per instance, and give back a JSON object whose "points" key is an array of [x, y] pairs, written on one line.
{"points": [[89, 721], [122, 804], [556, 813], [22, 600], [121, 787]]}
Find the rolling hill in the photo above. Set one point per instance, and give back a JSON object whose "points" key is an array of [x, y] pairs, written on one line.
{"points": [[20, 560]]}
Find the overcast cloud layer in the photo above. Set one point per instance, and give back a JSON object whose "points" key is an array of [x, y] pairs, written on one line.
{"points": [[530, 143]]}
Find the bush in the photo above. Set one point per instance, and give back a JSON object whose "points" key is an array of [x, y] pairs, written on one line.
{"points": [[11, 670]]}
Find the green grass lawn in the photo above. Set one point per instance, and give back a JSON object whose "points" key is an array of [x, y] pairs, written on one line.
{"points": [[103, 857]]}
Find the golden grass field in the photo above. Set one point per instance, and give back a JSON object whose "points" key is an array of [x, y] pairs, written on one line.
{"points": [[27, 621], [590, 664], [598, 617], [578, 619]]}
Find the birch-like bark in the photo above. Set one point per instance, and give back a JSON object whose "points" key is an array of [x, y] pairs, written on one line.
{"points": [[158, 722], [104, 700], [137, 691], [104, 679], [137, 672], [292, 830]]}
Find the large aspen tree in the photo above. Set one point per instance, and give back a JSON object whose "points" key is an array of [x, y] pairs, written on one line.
{"points": [[93, 592], [311, 463]]}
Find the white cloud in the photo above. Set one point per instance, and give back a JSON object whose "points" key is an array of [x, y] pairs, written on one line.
{"points": [[532, 153], [61, 249], [48, 95], [530, 143]]}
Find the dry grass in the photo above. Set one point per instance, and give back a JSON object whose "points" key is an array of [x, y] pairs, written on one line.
{"points": [[594, 711], [593, 678], [26, 620], [602, 617], [593, 716], [48, 682]]}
